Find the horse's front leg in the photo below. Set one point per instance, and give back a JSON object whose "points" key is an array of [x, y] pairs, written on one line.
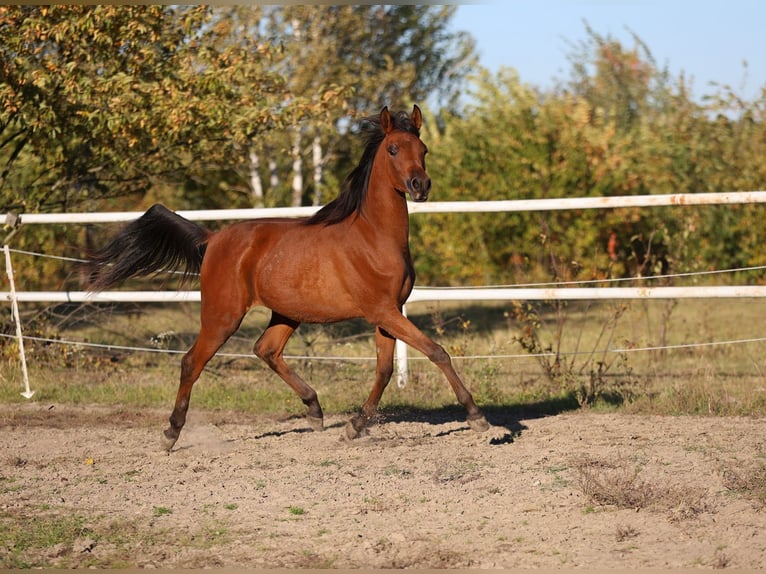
{"points": [[402, 328], [384, 344]]}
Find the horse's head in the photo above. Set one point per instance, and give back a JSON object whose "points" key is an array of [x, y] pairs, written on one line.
{"points": [[405, 153]]}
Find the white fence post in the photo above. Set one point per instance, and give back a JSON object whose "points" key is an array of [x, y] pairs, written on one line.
{"points": [[401, 359], [15, 311]]}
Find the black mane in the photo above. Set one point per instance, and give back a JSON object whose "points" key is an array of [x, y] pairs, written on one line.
{"points": [[354, 189]]}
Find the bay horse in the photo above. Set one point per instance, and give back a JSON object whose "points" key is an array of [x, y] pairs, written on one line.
{"points": [[349, 260]]}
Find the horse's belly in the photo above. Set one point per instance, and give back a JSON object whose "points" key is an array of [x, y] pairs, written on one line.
{"points": [[308, 307], [307, 291]]}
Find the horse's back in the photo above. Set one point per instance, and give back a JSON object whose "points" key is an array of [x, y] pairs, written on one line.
{"points": [[295, 269]]}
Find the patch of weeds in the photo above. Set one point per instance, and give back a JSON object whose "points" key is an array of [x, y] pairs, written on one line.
{"points": [[620, 485], [158, 511], [558, 481], [313, 561], [720, 560], [613, 485], [488, 382], [393, 470], [624, 533], [122, 533], [40, 541], [749, 483], [296, 510], [131, 474], [231, 506], [374, 504], [208, 535], [8, 485], [213, 535], [589, 375], [460, 472]]}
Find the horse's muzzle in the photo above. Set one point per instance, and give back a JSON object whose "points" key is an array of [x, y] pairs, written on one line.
{"points": [[419, 187]]}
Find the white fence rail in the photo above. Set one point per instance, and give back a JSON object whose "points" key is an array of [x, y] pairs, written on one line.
{"points": [[555, 204], [419, 294], [423, 294]]}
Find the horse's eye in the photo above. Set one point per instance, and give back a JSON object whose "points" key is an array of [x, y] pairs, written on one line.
{"points": [[393, 149]]}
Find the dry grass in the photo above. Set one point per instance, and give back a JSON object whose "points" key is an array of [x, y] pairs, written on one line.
{"points": [[624, 532], [620, 484], [748, 482], [721, 381]]}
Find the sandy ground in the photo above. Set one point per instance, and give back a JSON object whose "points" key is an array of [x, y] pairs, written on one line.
{"points": [[579, 490]]}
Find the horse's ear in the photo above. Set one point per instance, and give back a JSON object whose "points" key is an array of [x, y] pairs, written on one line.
{"points": [[385, 120], [417, 117]]}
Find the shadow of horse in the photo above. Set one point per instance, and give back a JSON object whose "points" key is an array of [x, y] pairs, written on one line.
{"points": [[505, 419]]}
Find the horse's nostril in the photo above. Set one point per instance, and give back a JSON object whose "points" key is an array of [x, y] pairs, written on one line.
{"points": [[415, 184]]}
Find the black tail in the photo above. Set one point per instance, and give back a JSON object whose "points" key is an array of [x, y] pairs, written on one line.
{"points": [[159, 240]]}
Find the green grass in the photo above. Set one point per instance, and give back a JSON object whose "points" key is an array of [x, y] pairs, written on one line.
{"points": [[39, 531], [53, 538], [713, 380]]}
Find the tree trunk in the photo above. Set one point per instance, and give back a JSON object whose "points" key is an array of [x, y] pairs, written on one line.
{"points": [[256, 187], [297, 169], [316, 149], [273, 175]]}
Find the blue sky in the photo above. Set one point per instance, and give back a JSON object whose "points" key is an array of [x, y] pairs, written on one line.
{"points": [[706, 39]]}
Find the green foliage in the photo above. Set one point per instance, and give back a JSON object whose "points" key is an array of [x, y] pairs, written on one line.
{"points": [[116, 107], [98, 101], [620, 126]]}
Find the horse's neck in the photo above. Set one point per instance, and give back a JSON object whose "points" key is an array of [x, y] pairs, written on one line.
{"points": [[386, 210]]}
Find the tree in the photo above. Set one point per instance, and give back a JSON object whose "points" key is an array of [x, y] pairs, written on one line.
{"points": [[104, 106], [388, 55], [620, 126], [103, 101]]}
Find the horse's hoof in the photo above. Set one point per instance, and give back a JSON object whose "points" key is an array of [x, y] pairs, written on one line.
{"points": [[478, 424], [354, 429], [316, 423], [168, 440], [351, 432]]}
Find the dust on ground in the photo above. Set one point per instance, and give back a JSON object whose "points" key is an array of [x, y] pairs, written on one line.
{"points": [[576, 490]]}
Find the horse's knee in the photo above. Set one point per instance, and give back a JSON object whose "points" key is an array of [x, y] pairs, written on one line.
{"points": [[385, 372], [264, 352], [187, 365], [438, 355]]}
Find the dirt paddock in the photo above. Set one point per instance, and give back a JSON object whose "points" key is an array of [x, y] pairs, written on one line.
{"points": [[578, 490]]}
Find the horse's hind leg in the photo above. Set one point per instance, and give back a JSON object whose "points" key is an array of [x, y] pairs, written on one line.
{"points": [[384, 344], [213, 333], [269, 347]]}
